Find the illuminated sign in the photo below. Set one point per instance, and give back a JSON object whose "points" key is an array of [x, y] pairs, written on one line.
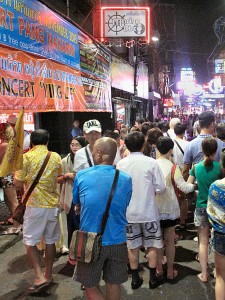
{"points": [[219, 66], [117, 22], [186, 75], [215, 86]]}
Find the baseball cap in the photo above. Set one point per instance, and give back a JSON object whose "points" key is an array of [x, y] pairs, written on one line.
{"points": [[92, 125], [11, 119]]}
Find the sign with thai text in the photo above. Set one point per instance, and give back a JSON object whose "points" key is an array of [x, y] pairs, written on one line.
{"points": [[40, 85], [117, 22], [30, 26]]}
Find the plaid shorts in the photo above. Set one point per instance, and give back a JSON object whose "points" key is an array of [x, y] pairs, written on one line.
{"points": [[112, 262]]}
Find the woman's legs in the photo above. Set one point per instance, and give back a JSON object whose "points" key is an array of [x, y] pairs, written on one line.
{"points": [[220, 276], [170, 250], [203, 235]]}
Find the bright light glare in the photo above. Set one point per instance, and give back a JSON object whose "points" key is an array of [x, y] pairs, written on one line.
{"points": [[155, 39]]}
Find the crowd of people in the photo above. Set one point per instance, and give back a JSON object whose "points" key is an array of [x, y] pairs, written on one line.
{"points": [[160, 167]]}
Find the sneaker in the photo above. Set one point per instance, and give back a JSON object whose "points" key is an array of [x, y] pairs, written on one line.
{"points": [[12, 231], [135, 284], [195, 239]]}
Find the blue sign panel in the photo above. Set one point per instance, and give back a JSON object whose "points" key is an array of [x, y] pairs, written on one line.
{"points": [[30, 26]]}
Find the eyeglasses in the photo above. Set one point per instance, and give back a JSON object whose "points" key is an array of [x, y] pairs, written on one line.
{"points": [[75, 145]]}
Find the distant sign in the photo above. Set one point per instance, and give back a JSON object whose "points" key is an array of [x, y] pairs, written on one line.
{"points": [[219, 66], [119, 22], [186, 75]]}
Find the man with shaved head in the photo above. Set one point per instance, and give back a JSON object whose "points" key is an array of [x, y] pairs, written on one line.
{"points": [[91, 191]]}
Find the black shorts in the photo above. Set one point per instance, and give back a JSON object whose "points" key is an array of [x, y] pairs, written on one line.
{"points": [[168, 223]]}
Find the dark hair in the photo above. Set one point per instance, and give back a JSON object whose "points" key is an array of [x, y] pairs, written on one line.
{"points": [[179, 128], [220, 131], [111, 134], [209, 147], [82, 141], [165, 126], [164, 144], [135, 141], [206, 119], [152, 136], [39, 137], [144, 128]]}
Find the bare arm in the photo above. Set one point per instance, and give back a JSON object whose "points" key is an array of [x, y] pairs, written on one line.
{"points": [[185, 171]]}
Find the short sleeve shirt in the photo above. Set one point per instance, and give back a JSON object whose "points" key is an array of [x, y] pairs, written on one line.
{"points": [[205, 176], [45, 193]]}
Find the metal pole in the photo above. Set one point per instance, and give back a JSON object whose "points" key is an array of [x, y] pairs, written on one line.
{"points": [[68, 8]]}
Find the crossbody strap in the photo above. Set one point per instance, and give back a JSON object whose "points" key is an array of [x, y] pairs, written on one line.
{"points": [[88, 157], [106, 213], [36, 180], [179, 146]]}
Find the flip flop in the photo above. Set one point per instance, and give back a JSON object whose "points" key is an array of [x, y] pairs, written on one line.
{"points": [[37, 287], [6, 222]]}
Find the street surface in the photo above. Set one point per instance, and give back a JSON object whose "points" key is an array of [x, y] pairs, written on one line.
{"points": [[16, 277]]}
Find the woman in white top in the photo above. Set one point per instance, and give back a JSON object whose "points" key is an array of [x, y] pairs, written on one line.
{"points": [[66, 181], [169, 211]]}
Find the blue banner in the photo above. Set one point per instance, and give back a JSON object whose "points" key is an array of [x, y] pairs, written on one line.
{"points": [[30, 26]]}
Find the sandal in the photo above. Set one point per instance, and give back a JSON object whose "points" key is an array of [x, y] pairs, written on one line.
{"points": [[38, 287], [12, 231], [6, 222]]}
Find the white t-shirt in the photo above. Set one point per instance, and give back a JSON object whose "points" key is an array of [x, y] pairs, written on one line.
{"points": [[147, 179], [80, 161], [177, 154]]}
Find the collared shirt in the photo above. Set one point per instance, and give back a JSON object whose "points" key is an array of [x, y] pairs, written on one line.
{"points": [[45, 193], [147, 179], [193, 152]]}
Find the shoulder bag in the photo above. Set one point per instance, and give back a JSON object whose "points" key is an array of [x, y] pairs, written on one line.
{"points": [[20, 209], [86, 246], [180, 195]]}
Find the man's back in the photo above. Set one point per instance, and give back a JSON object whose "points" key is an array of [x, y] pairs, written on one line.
{"points": [[193, 152], [147, 178], [91, 188], [44, 194]]}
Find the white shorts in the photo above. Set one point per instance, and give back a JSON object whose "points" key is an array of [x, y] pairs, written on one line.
{"points": [[41, 223], [144, 234]]}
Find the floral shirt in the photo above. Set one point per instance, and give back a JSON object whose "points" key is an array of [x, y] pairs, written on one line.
{"points": [[45, 193], [216, 205]]}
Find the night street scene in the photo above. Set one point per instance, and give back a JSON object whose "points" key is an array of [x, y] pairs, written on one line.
{"points": [[112, 149]]}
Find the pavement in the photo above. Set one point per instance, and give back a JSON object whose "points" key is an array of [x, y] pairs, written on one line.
{"points": [[6, 241], [188, 286]]}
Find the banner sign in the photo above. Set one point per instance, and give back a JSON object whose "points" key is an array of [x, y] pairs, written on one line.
{"points": [[41, 85], [117, 22], [93, 58], [28, 120], [30, 26]]}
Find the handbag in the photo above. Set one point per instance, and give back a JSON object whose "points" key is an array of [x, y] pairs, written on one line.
{"points": [[20, 209], [86, 246], [180, 195]]}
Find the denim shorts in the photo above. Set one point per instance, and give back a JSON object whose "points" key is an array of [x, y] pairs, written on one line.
{"points": [[201, 217], [218, 242]]}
